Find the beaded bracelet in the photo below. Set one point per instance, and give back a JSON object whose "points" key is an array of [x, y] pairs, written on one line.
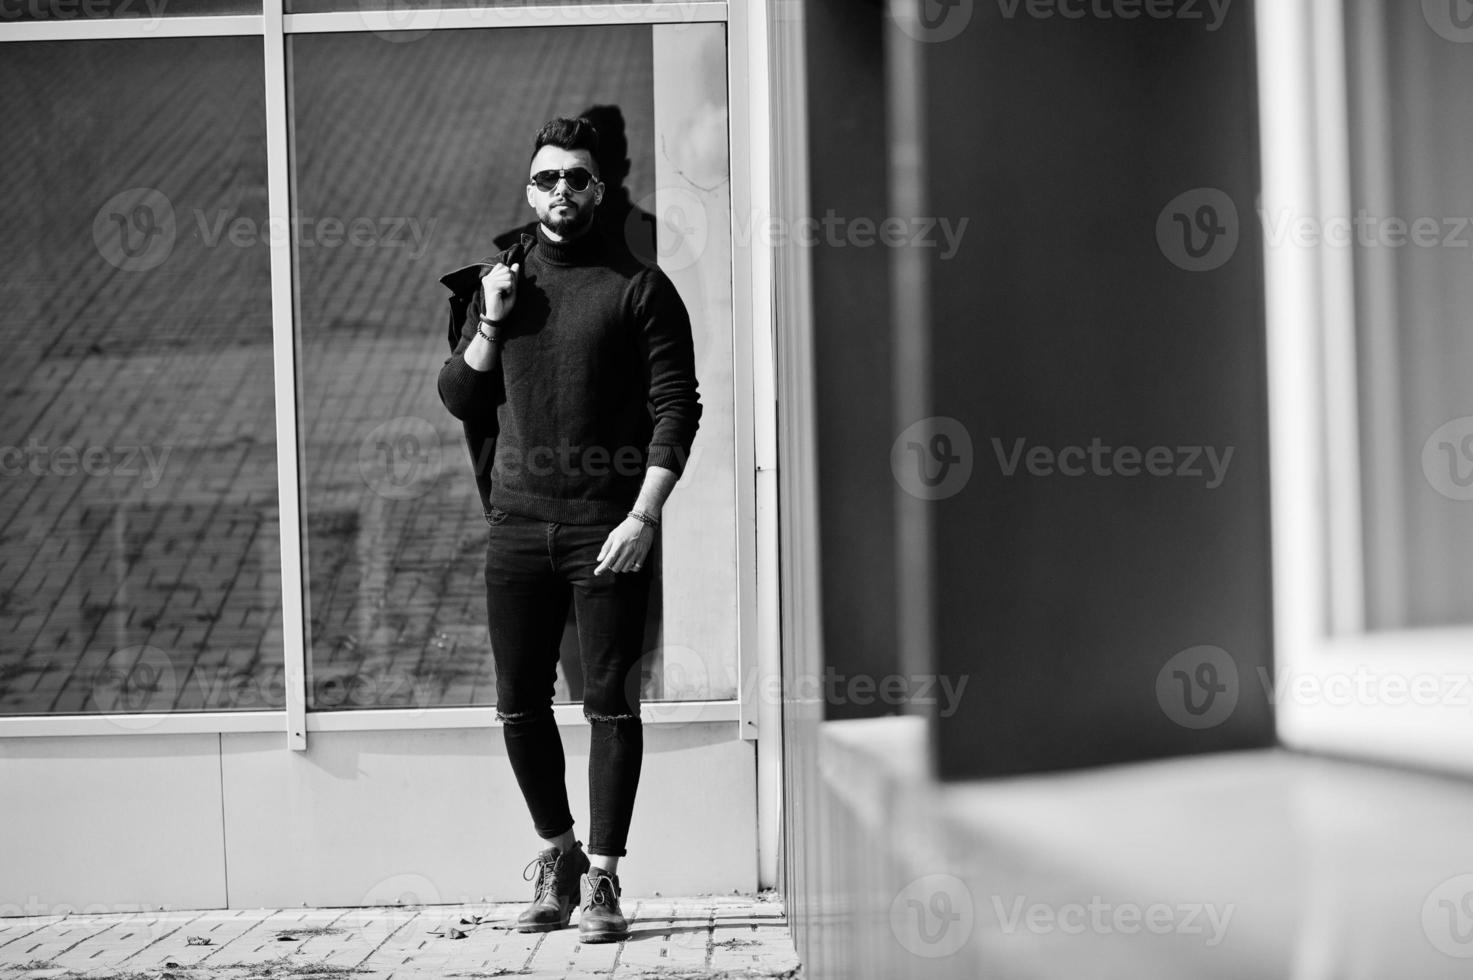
{"points": [[490, 337], [644, 519]]}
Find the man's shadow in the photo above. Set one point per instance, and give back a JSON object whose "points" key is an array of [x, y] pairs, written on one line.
{"points": [[629, 232]]}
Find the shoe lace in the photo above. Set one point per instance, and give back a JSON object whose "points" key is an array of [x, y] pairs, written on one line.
{"points": [[546, 875], [601, 892]]}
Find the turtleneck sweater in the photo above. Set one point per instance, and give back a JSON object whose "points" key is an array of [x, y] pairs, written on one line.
{"points": [[595, 382]]}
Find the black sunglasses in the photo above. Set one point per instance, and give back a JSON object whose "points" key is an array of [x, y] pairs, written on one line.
{"points": [[578, 178]]}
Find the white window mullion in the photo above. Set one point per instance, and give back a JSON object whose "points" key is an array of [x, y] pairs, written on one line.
{"points": [[278, 199]]}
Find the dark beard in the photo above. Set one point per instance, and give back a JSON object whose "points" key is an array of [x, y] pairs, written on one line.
{"points": [[572, 225]]}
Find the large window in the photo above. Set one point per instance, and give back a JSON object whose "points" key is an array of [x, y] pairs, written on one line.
{"points": [[139, 545], [149, 351]]}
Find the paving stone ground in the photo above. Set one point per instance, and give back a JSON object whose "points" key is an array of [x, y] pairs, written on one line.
{"points": [[688, 938]]}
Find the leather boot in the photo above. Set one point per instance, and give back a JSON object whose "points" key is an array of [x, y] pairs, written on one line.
{"points": [[600, 920], [557, 876]]}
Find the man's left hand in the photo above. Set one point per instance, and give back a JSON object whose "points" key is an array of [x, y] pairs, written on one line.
{"points": [[626, 547]]}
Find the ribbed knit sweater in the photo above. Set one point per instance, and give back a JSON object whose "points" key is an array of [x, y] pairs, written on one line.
{"points": [[596, 381]]}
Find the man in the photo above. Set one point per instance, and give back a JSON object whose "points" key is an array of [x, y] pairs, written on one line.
{"points": [[575, 363]]}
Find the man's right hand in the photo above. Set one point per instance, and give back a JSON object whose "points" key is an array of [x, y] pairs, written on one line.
{"points": [[500, 288]]}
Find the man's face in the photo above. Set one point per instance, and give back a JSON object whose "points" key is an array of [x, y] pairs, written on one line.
{"points": [[564, 211]]}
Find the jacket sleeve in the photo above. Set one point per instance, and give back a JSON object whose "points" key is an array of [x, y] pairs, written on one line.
{"points": [[665, 332], [468, 394]]}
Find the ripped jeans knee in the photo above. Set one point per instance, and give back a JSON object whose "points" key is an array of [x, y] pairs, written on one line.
{"points": [[617, 720], [527, 717]]}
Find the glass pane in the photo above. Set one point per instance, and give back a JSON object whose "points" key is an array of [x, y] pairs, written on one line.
{"points": [[139, 555], [423, 147], [1412, 138], [26, 10]]}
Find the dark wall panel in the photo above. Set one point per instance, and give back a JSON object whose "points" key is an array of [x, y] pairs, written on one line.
{"points": [[1063, 321], [852, 363]]}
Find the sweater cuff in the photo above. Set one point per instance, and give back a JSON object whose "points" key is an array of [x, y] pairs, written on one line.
{"points": [[670, 457]]}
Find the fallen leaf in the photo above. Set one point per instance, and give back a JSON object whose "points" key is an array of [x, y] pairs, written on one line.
{"points": [[197, 941]]}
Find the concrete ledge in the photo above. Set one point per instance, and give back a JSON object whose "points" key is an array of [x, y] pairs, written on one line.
{"points": [[1248, 864]]}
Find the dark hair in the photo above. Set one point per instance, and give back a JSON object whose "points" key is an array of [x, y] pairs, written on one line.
{"points": [[570, 134]]}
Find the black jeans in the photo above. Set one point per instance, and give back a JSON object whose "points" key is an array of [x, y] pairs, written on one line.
{"points": [[531, 566]]}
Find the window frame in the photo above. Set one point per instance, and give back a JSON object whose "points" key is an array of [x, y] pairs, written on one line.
{"points": [[753, 364], [1337, 687]]}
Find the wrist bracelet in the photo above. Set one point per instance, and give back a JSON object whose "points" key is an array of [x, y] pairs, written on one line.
{"points": [[644, 519], [491, 336]]}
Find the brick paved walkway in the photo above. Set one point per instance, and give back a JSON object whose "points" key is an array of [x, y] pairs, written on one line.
{"points": [[702, 937]]}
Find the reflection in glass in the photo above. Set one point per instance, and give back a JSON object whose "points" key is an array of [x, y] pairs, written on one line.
{"points": [[139, 552], [422, 148]]}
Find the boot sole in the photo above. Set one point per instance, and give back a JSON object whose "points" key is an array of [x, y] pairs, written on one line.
{"points": [[603, 937]]}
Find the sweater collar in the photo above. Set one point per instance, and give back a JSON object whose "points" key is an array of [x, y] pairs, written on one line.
{"points": [[580, 251]]}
